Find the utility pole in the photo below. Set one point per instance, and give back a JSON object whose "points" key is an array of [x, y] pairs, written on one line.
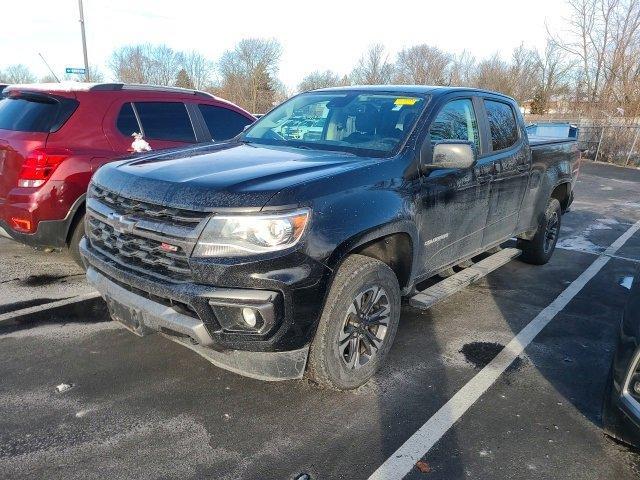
{"points": [[87, 75]]}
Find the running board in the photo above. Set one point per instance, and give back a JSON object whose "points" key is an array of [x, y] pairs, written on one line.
{"points": [[447, 287]]}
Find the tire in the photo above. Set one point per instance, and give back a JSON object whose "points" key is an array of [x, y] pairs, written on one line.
{"points": [[342, 355], [74, 241], [540, 248]]}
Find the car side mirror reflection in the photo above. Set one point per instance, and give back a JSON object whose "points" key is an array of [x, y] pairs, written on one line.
{"points": [[452, 154]]}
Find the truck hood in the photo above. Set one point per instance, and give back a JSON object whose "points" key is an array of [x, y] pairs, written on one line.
{"points": [[228, 175]]}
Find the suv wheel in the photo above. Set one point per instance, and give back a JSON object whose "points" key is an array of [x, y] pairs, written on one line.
{"points": [[77, 233], [539, 249], [357, 325]]}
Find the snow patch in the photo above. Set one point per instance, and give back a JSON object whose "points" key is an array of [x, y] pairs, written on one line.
{"points": [[626, 282], [581, 242], [64, 387]]}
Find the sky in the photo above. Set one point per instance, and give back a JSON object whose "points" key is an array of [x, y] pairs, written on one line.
{"points": [[328, 34]]}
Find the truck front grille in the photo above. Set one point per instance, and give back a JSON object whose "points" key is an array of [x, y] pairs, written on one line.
{"points": [[146, 211], [138, 252], [151, 238]]}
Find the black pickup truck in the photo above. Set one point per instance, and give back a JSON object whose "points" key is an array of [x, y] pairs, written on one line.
{"points": [[275, 255]]}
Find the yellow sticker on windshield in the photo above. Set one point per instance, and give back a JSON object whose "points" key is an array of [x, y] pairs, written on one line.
{"points": [[405, 101]]}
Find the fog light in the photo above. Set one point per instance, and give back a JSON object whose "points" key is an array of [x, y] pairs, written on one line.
{"points": [[249, 317]]}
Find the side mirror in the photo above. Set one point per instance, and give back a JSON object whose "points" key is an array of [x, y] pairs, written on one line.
{"points": [[452, 154]]}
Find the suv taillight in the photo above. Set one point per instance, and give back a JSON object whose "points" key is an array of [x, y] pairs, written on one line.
{"points": [[40, 164]]}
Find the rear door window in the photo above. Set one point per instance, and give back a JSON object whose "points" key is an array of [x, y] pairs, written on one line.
{"points": [[35, 113], [127, 122], [165, 121], [223, 123], [502, 122]]}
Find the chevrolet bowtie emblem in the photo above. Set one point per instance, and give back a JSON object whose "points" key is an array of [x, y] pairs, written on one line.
{"points": [[121, 223]]}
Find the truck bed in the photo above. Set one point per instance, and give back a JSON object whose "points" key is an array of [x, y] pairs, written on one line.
{"points": [[536, 141]]}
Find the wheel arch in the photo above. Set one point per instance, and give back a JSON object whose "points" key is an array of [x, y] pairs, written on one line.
{"points": [[392, 244], [75, 215], [562, 193]]}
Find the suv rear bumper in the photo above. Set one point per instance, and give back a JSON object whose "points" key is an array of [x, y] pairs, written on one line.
{"points": [[143, 316], [50, 233]]}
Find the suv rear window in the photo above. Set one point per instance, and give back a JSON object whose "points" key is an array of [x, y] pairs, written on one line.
{"points": [[165, 121], [223, 123], [502, 122], [35, 112]]}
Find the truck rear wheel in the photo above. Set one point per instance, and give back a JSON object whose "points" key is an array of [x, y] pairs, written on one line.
{"points": [[357, 325], [539, 249]]}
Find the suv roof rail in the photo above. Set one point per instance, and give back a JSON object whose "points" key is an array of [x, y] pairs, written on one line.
{"points": [[150, 88]]}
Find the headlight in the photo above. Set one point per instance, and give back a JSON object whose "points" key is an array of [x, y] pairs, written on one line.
{"points": [[239, 235]]}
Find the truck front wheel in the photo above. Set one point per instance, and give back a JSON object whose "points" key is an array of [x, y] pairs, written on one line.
{"points": [[539, 249], [357, 325]]}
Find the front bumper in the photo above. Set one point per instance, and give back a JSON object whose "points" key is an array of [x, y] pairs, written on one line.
{"points": [[144, 316], [191, 312]]}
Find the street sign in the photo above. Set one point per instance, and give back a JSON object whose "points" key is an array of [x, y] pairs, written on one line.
{"points": [[79, 71]]}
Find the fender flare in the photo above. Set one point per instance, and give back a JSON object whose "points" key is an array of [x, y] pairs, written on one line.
{"points": [[401, 226]]}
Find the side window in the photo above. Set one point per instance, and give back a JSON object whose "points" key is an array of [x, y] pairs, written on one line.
{"points": [[502, 122], [127, 123], [456, 121], [165, 121], [223, 123]]}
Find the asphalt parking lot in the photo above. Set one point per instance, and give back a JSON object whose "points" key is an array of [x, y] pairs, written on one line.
{"points": [[148, 408]]}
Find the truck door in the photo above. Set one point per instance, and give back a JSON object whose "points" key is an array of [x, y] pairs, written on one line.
{"points": [[512, 164], [454, 202]]}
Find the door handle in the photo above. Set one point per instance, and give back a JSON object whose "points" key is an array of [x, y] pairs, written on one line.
{"points": [[523, 168]]}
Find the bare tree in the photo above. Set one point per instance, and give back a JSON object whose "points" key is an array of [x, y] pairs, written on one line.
{"points": [[423, 65], [603, 37], [318, 79], [48, 79], [199, 69], [249, 73], [95, 74], [524, 73], [130, 64], [493, 74], [373, 67], [164, 64], [462, 69], [155, 64], [17, 73], [183, 80], [554, 74]]}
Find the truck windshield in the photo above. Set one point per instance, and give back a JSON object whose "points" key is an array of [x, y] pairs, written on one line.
{"points": [[372, 124]]}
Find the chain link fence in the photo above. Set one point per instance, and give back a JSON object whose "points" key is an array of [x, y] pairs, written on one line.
{"points": [[605, 140]]}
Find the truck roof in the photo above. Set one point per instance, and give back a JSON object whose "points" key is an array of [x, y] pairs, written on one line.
{"points": [[415, 89]]}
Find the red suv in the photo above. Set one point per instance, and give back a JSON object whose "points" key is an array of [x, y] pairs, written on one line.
{"points": [[53, 137]]}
